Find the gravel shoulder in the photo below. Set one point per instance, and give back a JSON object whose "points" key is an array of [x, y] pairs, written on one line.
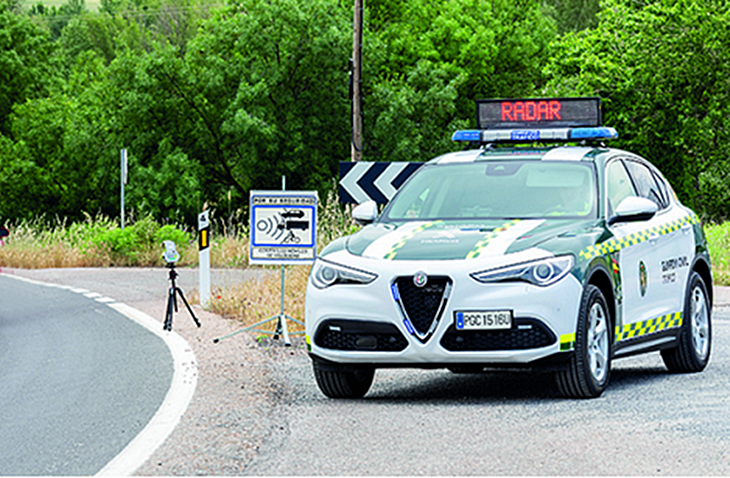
{"points": [[235, 404]]}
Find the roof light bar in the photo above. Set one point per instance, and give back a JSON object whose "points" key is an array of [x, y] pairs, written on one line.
{"points": [[531, 135], [467, 135]]}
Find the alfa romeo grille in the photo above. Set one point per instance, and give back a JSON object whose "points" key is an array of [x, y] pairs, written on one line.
{"points": [[423, 306]]}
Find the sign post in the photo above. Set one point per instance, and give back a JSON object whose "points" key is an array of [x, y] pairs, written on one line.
{"points": [[204, 258], [283, 231]]}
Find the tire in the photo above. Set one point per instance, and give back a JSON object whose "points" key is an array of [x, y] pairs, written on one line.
{"points": [[589, 369], [343, 384], [695, 338]]}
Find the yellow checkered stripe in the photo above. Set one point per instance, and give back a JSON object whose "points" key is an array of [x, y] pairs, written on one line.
{"points": [[481, 245], [648, 327], [567, 342], [615, 244], [394, 249]]}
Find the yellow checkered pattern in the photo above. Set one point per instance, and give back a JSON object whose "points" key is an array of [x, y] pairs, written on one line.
{"points": [[632, 331], [481, 245], [567, 342], [394, 249], [648, 327], [613, 245]]}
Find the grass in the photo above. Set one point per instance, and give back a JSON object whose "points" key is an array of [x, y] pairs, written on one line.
{"points": [[718, 240], [98, 242]]}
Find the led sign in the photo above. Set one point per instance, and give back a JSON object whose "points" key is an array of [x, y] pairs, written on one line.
{"points": [[538, 113]]}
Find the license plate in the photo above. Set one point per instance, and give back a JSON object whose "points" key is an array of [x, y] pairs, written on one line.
{"points": [[484, 320]]}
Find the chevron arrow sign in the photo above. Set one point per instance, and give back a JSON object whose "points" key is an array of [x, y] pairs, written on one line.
{"points": [[362, 181]]}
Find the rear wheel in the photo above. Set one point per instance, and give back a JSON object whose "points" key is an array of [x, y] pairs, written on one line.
{"points": [[693, 351], [589, 369], [350, 383]]}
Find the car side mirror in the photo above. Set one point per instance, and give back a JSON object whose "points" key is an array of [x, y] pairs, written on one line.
{"points": [[634, 208], [365, 213]]}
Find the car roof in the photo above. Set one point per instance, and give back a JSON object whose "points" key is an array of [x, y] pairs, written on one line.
{"points": [[535, 153]]}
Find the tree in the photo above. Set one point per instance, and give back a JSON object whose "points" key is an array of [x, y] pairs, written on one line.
{"points": [[60, 158], [26, 66], [261, 92], [426, 62], [660, 69], [575, 15]]}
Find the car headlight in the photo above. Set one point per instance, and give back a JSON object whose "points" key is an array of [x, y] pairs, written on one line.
{"points": [[543, 272], [325, 274]]}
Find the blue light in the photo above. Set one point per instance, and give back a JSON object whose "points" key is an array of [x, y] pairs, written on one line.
{"points": [[537, 134], [602, 132], [394, 290], [409, 327], [467, 135]]}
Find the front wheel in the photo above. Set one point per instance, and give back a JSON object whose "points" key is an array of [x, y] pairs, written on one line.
{"points": [[343, 383], [589, 369], [693, 351]]}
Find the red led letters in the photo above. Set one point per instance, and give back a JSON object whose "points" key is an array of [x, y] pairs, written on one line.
{"points": [[548, 110]]}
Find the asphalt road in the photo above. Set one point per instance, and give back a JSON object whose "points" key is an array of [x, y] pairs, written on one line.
{"points": [[267, 417], [78, 380], [413, 422]]}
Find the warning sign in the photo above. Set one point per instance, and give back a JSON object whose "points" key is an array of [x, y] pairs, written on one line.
{"points": [[283, 227]]}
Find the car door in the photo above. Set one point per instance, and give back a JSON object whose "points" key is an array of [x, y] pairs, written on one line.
{"points": [[652, 296], [674, 241]]}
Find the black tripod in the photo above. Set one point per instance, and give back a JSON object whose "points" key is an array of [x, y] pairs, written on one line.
{"points": [[172, 299]]}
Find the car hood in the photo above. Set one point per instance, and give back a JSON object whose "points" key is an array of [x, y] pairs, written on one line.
{"points": [[453, 240]]}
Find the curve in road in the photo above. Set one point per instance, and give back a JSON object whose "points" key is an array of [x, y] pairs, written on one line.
{"points": [[76, 398]]}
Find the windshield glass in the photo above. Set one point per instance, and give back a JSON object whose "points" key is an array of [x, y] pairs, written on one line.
{"points": [[497, 189]]}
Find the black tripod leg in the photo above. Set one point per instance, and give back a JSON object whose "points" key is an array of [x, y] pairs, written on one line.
{"points": [[192, 314], [168, 316]]}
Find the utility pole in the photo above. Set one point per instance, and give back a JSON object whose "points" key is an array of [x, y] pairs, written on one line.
{"points": [[356, 141], [123, 180]]}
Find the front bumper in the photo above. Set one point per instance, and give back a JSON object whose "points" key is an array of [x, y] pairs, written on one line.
{"points": [[364, 324]]}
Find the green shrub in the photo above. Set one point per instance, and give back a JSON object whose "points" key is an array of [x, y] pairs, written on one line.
{"points": [[140, 243]]}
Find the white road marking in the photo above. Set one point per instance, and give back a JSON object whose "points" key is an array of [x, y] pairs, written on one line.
{"points": [[181, 391]]}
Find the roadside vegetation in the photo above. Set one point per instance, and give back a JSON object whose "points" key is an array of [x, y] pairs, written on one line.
{"points": [[213, 99], [100, 242]]}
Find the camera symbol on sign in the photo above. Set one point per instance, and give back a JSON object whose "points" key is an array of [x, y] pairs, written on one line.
{"points": [[282, 226]]}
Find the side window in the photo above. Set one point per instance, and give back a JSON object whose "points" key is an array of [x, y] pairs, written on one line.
{"points": [[663, 187], [645, 183], [618, 185]]}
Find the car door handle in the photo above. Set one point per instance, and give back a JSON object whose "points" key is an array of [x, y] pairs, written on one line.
{"points": [[652, 239], [687, 228]]}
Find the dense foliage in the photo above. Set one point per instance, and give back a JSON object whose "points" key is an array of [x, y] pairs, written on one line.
{"points": [[212, 101], [661, 69]]}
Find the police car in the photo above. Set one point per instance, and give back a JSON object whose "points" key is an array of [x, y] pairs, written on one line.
{"points": [[541, 247]]}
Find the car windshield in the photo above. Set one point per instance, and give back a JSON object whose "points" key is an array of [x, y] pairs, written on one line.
{"points": [[497, 189]]}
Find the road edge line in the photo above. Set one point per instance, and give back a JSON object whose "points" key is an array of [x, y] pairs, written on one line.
{"points": [[176, 401], [179, 395]]}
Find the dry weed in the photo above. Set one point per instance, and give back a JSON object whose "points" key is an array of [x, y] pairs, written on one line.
{"points": [[255, 300]]}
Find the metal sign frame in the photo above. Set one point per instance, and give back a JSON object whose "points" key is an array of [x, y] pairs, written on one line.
{"points": [[283, 227]]}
